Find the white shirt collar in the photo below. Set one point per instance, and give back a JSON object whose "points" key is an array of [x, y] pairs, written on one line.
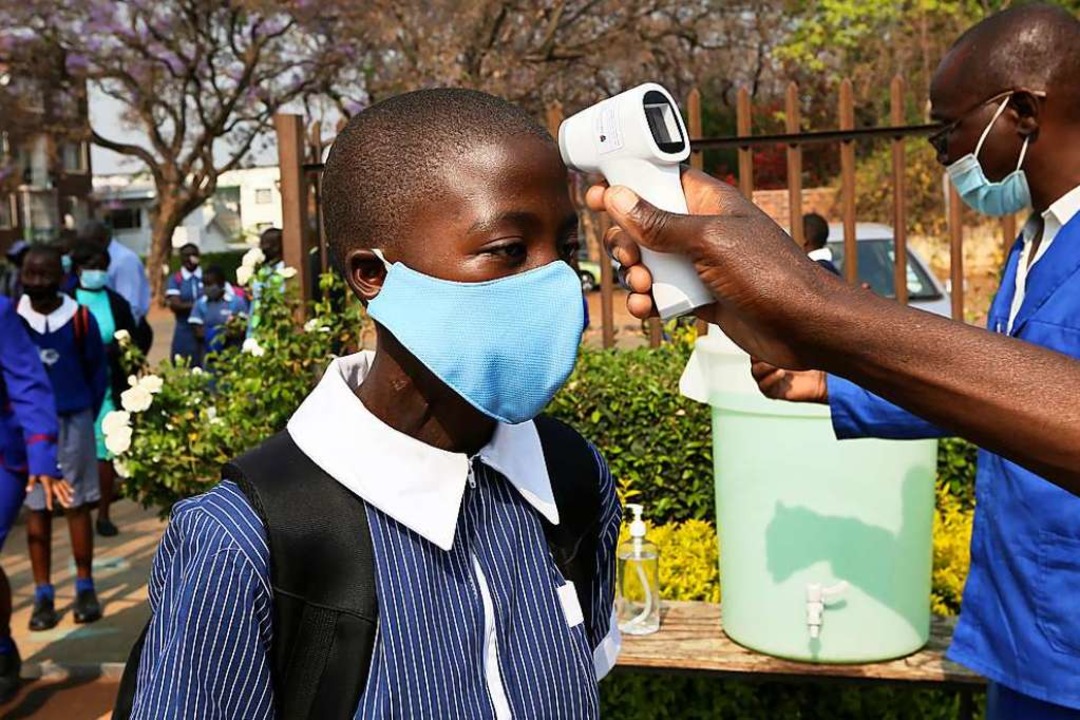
{"points": [[418, 485], [1055, 217], [51, 322], [188, 274], [820, 254]]}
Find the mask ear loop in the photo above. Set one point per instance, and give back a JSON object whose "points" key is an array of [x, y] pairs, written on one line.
{"points": [[1023, 154], [379, 254], [986, 132]]}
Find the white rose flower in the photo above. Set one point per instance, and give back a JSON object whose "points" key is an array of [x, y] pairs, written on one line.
{"points": [[253, 258], [287, 272], [251, 345], [122, 336], [243, 275], [211, 412], [311, 325], [196, 371], [137, 399], [121, 469], [115, 420], [132, 380], [152, 383], [118, 442]]}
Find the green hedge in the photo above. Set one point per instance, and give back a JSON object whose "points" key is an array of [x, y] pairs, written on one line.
{"points": [[657, 442]]}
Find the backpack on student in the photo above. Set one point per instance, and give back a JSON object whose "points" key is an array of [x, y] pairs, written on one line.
{"points": [[322, 567]]}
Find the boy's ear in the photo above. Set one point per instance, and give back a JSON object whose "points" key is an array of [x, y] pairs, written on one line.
{"points": [[365, 273]]}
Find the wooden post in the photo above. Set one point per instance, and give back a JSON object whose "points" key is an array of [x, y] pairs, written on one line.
{"points": [[744, 125], [1008, 231], [656, 328], [899, 168], [290, 139], [847, 183], [607, 286], [554, 116], [317, 148], [693, 118], [956, 252], [794, 165], [697, 159]]}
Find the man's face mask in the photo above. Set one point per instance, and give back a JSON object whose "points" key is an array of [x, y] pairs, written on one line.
{"points": [[1007, 196], [506, 346]]}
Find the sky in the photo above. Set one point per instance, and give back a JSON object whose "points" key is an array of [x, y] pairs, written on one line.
{"points": [[105, 117]]}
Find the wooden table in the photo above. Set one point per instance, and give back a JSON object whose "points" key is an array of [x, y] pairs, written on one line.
{"points": [[691, 640]]}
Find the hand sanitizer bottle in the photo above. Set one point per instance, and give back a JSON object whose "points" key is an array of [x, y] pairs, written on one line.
{"points": [[639, 581]]}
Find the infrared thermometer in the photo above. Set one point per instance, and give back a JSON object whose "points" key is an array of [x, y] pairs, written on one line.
{"points": [[637, 139]]}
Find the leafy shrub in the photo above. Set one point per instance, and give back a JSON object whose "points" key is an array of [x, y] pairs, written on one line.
{"points": [[199, 420], [952, 551], [956, 469], [690, 552], [656, 442]]}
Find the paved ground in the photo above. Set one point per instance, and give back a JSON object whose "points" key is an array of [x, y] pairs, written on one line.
{"points": [[80, 664]]}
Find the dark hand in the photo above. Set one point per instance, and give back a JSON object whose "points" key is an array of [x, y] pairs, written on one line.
{"points": [[762, 282]]}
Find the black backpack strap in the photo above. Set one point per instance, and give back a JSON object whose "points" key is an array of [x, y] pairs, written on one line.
{"points": [[125, 696], [575, 482], [322, 571]]}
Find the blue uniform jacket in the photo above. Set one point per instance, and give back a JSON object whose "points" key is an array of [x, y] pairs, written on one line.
{"points": [[28, 425], [1020, 623]]}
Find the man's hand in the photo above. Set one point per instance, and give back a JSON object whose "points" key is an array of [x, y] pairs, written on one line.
{"points": [[764, 285], [54, 487], [791, 385]]}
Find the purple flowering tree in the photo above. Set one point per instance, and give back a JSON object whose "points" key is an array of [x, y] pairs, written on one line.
{"points": [[200, 79]]}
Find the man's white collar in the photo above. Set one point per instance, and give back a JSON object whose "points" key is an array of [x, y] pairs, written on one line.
{"points": [[823, 253], [188, 274], [51, 322], [418, 485], [1059, 214]]}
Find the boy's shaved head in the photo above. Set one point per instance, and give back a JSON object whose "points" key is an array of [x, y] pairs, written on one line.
{"points": [[389, 158]]}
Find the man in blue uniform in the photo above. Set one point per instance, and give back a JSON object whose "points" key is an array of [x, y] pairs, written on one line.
{"points": [[1008, 93], [28, 435]]}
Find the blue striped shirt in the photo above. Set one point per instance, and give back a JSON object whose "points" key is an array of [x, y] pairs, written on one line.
{"points": [[207, 649]]}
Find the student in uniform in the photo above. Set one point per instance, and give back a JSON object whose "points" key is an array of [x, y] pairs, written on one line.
{"points": [[816, 242], [28, 432], [457, 236], [212, 312], [184, 290], [69, 345], [112, 314]]}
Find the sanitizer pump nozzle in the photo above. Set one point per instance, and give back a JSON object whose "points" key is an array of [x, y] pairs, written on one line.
{"points": [[637, 139], [638, 603]]}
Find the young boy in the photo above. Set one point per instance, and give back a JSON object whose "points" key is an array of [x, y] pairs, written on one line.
{"points": [[213, 311], [70, 347], [457, 236]]}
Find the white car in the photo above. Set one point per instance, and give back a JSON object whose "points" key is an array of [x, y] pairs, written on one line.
{"points": [[876, 256]]}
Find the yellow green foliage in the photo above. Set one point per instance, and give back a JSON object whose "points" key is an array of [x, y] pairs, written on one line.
{"points": [[952, 552], [689, 556], [689, 559]]}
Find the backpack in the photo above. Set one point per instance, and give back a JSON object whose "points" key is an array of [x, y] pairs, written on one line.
{"points": [[81, 325], [322, 567]]}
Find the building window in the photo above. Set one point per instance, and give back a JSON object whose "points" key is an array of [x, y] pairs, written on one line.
{"points": [[264, 196], [40, 209], [7, 212], [73, 157], [124, 218]]}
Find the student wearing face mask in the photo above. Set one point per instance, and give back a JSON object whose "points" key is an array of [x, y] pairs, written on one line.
{"points": [[184, 290], [70, 347], [212, 312], [113, 314], [417, 489], [1008, 96]]}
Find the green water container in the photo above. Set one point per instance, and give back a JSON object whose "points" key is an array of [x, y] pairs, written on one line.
{"points": [[825, 545]]}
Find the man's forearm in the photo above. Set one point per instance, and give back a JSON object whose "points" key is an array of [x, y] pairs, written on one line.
{"points": [[1016, 399]]}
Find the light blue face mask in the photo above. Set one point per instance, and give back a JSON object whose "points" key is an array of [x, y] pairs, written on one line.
{"points": [[506, 346], [93, 279], [1009, 195], [65, 263]]}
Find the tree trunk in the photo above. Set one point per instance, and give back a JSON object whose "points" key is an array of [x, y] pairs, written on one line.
{"points": [[165, 221]]}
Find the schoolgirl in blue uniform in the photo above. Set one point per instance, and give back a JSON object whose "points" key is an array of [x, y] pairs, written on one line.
{"points": [[184, 290]]}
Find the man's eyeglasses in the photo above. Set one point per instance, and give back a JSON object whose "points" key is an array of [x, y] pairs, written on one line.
{"points": [[940, 139]]}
